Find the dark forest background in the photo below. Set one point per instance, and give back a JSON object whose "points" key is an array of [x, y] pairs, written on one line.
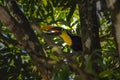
{"points": [[26, 53]]}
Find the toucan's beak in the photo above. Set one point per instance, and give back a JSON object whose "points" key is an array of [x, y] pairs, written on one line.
{"points": [[47, 27], [51, 30]]}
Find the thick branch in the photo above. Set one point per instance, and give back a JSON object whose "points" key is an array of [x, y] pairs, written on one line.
{"points": [[26, 38]]}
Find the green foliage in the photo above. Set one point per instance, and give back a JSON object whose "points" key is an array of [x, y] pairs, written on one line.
{"points": [[15, 64], [62, 73]]}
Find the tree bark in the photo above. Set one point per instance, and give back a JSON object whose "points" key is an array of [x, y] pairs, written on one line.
{"points": [[90, 31], [114, 5], [20, 27]]}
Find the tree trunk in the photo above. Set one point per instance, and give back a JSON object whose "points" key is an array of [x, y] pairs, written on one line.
{"points": [[114, 6], [90, 31]]}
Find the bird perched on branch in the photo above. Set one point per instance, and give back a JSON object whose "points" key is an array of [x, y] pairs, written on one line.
{"points": [[72, 40]]}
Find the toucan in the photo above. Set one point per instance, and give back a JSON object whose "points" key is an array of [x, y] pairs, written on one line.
{"points": [[72, 40]]}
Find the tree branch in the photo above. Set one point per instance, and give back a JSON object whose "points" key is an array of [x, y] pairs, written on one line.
{"points": [[19, 26]]}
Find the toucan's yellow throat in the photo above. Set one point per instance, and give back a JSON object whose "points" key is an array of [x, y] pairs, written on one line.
{"points": [[66, 38]]}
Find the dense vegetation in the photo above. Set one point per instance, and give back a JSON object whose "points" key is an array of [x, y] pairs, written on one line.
{"points": [[26, 53]]}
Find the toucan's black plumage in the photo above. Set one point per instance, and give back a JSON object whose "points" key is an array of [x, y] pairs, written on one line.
{"points": [[76, 43], [72, 40]]}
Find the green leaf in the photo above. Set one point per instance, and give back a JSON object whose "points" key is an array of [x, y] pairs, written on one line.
{"points": [[106, 73], [44, 2]]}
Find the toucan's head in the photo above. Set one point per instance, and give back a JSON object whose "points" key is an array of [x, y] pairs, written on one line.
{"points": [[53, 30]]}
